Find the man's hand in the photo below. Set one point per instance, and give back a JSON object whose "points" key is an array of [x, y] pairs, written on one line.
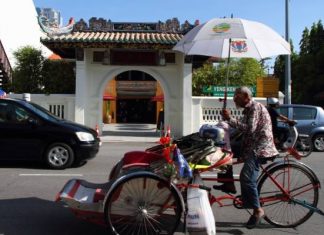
{"points": [[226, 114]]}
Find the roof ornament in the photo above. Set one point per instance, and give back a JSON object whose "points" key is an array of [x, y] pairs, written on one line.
{"points": [[54, 30]]}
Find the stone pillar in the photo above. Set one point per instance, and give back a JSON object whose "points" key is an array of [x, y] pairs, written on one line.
{"points": [[187, 99], [81, 93]]}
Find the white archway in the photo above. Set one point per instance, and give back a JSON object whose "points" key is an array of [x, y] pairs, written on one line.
{"points": [[175, 80]]}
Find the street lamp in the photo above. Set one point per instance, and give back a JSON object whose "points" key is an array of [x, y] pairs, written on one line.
{"points": [[287, 60]]}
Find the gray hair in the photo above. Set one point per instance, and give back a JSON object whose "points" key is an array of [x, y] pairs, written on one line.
{"points": [[244, 90]]}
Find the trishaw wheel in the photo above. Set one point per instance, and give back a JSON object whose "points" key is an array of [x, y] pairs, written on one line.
{"points": [[142, 203]]}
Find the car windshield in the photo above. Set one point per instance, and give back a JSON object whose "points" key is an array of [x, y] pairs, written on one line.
{"points": [[42, 112]]}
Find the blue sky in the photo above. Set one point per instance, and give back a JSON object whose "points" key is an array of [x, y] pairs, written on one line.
{"points": [[271, 12]]}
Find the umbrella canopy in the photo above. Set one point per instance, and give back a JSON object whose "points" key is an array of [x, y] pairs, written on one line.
{"points": [[233, 37]]}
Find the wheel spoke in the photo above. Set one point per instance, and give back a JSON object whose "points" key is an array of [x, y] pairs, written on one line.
{"points": [[143, 205], [281, 210]]}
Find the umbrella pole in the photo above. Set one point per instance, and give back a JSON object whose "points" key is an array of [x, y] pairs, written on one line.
{"points": [[227, 73]]}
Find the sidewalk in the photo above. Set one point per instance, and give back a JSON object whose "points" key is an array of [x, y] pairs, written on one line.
{"points": [[125, 132]]}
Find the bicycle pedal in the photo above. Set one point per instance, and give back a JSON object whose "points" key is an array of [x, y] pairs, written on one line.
{"points": [[237, 202]]}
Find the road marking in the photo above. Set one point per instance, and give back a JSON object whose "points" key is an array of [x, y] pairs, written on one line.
{"points": [[51, 175], [214, 175]]}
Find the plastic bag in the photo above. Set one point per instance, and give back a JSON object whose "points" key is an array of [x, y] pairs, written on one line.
{"points": [[200, 218], [182, 164]]}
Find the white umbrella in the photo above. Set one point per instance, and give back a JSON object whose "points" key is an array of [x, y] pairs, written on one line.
{"points": [[233, 37]]}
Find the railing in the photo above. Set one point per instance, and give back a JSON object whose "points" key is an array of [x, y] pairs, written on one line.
{"points": [[57, 109], [61, 105], [205, 110]]}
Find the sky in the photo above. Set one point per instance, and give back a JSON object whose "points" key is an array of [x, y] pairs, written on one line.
{"points": [[302, 13]]}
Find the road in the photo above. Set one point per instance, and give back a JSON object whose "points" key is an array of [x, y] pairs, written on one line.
{"points": [[27, 193]]}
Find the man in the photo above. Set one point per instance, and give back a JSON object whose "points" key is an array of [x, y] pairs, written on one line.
{"points": [[280, 134], [257, 143]]}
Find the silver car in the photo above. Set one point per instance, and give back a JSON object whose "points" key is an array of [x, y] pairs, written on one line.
{"points": [[310, 121]]}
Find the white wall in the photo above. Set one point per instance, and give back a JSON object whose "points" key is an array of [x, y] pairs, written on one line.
{"points": [[204, 110], [54, 101], [19, 27]]}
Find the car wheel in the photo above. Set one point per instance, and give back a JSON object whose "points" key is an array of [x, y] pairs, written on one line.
{"points": [[319, 142], [59, 156]]}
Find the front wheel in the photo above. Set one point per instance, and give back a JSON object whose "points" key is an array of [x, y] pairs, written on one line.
{"points": [[304, 146], [142, 203], [59, 156], [294, 208]]}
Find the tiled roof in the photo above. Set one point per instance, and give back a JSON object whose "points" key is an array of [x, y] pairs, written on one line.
{"points": [[116, 37]]}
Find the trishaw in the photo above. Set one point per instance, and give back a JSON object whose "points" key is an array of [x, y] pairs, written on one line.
{"points": [[146, 190]]}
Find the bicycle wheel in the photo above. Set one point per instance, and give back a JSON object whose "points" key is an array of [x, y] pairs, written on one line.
{"points": [[304, 146], [143, 203], [292, 210]]}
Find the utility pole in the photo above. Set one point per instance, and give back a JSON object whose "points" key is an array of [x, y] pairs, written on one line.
{"points": [[287, 59]]}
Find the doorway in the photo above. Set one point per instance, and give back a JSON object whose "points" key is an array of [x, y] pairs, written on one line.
{"points": [[136, 110]]}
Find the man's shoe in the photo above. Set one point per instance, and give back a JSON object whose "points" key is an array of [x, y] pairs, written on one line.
{"points": [[226, 188], [254, 221]]}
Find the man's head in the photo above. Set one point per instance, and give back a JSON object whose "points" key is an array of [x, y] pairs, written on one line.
{"points": [[242, 96]]}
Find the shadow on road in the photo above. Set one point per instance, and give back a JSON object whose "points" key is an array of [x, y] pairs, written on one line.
{"points": [[35, 216]]}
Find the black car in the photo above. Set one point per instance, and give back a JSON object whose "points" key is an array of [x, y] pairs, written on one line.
{"points": [[30, 132]]}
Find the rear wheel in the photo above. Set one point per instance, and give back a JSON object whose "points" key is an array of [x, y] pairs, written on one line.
{"points": [[143, 203], [288, 210], [318, 142]]}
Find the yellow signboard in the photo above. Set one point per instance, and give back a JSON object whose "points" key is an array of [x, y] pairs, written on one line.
{"points": [[267, 87]]}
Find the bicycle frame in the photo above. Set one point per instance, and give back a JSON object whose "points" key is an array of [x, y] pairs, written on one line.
{"points": [[285, 195]]}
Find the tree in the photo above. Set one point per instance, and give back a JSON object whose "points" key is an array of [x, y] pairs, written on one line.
{"points": [[203, 76], [279, 70], [307, 68], [27, 75], [35, 74], [242, 72], [58, 77]]}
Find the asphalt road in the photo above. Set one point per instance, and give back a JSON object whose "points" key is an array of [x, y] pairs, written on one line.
{"points": [[27, 193]]}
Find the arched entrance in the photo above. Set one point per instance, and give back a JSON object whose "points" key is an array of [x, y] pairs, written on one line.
{"points": [[133, 97]]}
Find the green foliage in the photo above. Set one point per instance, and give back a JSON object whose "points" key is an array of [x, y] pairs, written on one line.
{"points": [[27, 74], [35, 74], [203, 76], [58, 77], [307, 68], [241, 72]]}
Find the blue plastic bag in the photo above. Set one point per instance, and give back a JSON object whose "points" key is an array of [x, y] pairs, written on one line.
{"points": [[182, 164]]}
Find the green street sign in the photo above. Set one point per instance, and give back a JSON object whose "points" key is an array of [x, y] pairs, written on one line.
{"points": [[219, 90]]}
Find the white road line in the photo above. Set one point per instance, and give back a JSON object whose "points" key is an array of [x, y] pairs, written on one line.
{"points": [[214, 175], [50, 174]]}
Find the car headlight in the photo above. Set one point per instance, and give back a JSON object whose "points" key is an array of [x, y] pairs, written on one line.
{"points": [[85, 136]]}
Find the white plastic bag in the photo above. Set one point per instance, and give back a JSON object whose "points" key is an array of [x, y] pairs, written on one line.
{"points": [[200, 218]]}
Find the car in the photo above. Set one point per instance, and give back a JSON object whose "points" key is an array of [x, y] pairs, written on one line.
{"points": [[30, 132], [310, 121]]}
